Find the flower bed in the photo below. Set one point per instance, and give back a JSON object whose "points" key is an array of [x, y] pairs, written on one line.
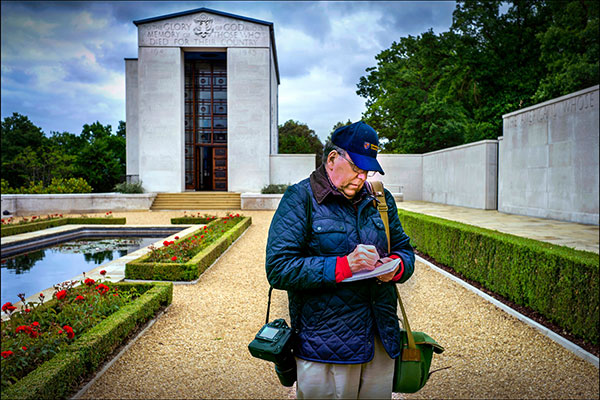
{"points": [[14, 229], [47, 348], [193, 219], [186, 258]]}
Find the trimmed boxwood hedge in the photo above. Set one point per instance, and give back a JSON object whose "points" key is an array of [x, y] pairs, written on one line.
{"points": [[191, 270], [190, 220], [558, 282], [36, 226], [59, 376]]}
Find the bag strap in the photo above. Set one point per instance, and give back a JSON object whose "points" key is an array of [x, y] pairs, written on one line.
{"points": [[411, 353]]}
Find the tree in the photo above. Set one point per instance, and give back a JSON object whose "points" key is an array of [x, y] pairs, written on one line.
{"points": [[101, 158], [569, 49], [432, 91], [337, 125], [297, 138], [20, 140]]}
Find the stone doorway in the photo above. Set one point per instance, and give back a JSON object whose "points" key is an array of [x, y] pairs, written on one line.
{"points": [[205, 121]]}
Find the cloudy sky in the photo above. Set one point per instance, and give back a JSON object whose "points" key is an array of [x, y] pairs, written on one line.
{"points": [[62, 62]]}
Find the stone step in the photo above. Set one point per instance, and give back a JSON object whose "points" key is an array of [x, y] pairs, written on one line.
{"points": [[197, 200]]}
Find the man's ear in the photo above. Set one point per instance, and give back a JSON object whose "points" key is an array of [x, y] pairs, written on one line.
{"points": [[331, 158]]}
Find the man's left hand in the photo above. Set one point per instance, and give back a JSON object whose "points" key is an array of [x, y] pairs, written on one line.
{"points": [[386, 277]]}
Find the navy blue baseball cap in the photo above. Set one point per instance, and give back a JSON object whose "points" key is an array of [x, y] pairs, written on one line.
{"points": [[361, 143]]}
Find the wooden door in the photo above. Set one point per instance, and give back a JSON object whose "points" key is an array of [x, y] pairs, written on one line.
{"points": [[219, 168]]}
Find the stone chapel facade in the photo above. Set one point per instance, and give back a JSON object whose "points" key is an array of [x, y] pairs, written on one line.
{"points": [[202, 103]]}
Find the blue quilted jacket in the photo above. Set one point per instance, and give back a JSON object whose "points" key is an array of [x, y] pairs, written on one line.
{"points": [[334, 322]]}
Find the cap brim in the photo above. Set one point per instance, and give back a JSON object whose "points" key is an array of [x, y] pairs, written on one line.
{"points": [[366, 163]]}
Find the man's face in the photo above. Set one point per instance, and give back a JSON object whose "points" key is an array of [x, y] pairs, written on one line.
{"points": [[346, 176]]}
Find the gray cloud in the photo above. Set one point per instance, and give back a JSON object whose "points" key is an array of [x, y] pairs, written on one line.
{"points": [[62, 62]]}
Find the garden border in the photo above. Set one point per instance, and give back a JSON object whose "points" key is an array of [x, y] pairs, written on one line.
{"points": [[558, 282], [138, 269], [56, 377], [36, 226]]}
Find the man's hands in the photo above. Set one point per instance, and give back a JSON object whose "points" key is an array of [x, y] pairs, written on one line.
{"points": [[387, 277], [364, 257]]}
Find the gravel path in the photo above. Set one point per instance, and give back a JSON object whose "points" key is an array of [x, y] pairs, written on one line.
{"points": [[198, 349]]}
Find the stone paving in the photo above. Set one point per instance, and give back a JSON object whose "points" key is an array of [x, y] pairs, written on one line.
{"points": [[198, 349], [570, 234]]}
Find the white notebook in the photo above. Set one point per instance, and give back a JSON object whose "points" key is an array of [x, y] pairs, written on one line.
{"points": [[382, 269]]}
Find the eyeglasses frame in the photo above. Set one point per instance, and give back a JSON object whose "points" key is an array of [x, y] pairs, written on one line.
{"points": [[355, 168]]}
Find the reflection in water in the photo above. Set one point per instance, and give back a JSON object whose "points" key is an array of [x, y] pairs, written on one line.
{"points": [[40, 269]]}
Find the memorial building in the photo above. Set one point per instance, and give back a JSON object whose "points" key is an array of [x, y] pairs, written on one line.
{"points": [[201, 103]]}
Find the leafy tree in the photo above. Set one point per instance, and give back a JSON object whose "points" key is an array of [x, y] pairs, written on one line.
{"points": [[297, 138], [20, 140], [337, 125], [434, 91], [569, 49], [101, 159]]}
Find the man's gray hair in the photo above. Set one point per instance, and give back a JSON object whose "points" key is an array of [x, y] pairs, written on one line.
{"points": [[329, 147]]}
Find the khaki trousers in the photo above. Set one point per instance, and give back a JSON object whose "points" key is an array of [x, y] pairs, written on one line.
{"points": [[372, 380]]}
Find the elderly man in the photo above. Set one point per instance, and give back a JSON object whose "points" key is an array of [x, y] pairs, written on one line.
{"points": [[327, 228]]}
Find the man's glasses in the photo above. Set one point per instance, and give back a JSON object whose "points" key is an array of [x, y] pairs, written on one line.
{"points": [[357, 170]]}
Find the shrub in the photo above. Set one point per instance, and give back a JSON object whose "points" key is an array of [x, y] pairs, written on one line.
{"points": [[38, 333], [14, 229], [185, 259], [556, 281], [82, 351], [274, 189], [129, 187], [193, 219], [58, 185]]}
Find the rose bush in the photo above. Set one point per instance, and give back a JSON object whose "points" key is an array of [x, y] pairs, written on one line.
{"points": [[181, 251], [35, 333]]}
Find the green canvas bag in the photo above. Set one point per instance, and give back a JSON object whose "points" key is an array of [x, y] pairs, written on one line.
{"points": [[411, 370]]}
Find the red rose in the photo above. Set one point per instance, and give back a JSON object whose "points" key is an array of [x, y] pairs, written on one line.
{"points": [[79, 298], [69, 331], [24, 348], [8, 307], [61, 295], [6, 353], [35, 324], [176, 237], [166, 243], [201, 236], [224, 222], [89, 281], [28, 310], [102, 288], [23, 328], [174, 258], [103, 272], [237, 215]]}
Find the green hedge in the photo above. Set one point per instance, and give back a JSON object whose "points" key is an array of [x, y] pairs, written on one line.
{"points": [[36, 226], [191, 270], [59, 376], [558, 282], [189, 221]]}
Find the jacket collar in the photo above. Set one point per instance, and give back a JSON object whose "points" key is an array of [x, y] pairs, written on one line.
{"points": [[322, 187]]}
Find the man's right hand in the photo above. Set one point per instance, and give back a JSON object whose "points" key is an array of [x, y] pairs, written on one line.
{"points": [[364, 257]]}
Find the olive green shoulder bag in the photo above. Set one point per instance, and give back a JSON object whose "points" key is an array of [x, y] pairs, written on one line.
{"points": [[411, 370]]}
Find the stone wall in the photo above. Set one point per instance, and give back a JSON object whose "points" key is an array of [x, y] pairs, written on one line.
{"points": [[462, 176], [42, 204], [548, 159], [291, 168]]}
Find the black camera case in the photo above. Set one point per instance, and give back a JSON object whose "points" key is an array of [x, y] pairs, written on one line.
{"points": [[272, 342]]}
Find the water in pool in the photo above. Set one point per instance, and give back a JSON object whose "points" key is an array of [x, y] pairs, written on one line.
{"points": [[40, 269]]}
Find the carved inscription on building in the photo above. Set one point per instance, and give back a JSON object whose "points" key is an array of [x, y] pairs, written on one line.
{"points": [[203, 30], [585, 102]]}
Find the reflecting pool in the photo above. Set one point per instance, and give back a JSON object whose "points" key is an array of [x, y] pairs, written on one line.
{"points": [[40, 269]]}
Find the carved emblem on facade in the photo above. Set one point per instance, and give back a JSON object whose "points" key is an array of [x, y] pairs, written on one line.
{"points": [[204, 25]]}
